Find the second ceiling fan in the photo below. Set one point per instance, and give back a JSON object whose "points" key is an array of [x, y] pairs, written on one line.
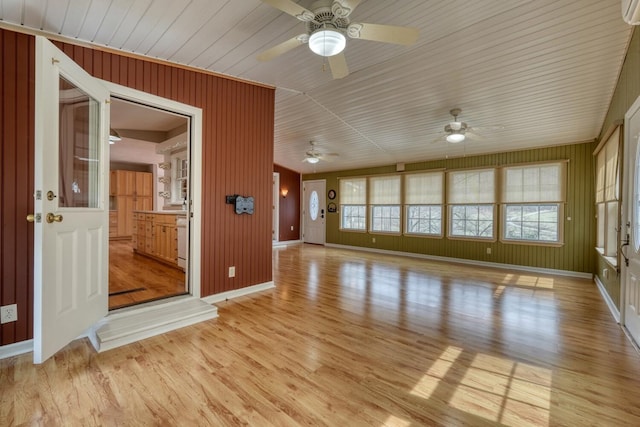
{"points": [[327, 24]]}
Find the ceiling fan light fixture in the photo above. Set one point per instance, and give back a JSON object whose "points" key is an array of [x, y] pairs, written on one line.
{"points": [[312, 160], [455, 137], [327, 42]]}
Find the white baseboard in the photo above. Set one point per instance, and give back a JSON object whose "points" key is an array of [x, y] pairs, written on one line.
{"points": [[223, 296], [607, 299], [286, 243], [468, 261], [16, 349]]}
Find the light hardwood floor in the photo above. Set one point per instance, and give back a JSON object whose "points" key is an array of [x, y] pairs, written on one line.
{"points": [[135, 278], [355, 339]]}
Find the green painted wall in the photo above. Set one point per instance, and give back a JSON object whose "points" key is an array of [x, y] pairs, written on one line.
{"points": [[626, 92], [577, 253]]}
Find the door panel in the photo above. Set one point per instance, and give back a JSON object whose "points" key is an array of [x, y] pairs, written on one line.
{"points": [[71, 238], [313, 193], [630, 278]]}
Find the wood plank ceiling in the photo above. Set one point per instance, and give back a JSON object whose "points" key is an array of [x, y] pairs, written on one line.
{"points": [[543, 69]]}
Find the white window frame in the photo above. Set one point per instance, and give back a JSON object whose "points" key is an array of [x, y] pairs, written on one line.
{"points": [[531, 191], [178, 180], [471, 197]]}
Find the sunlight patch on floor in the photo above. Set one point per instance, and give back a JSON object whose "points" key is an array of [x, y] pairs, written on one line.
{"points": [[428, 383], [514, 394], [394, 421], [528, 281]]}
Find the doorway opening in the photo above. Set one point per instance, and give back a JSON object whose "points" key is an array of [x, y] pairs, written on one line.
{"points": [[149, 203]]}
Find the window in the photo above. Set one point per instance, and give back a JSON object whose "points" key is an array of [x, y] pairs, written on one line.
{"points": [[471, 200], [384, 197], [533, 197], [607, 195], [353, 204], [423, 203], [180, 177]]}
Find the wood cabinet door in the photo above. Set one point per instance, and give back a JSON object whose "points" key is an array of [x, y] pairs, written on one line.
{"points": [[173, 244], [144, 184], [143, 204], [112, 183], [126, 182], [125, 215]]}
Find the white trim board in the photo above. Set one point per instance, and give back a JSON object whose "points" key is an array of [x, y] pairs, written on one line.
{"points": [[16, 349], [224, 296], [607, 299], [468, 261], [285, 243]]}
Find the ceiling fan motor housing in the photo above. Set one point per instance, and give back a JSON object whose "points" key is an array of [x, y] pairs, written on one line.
{"points": [[326, 18], [456, 127]]}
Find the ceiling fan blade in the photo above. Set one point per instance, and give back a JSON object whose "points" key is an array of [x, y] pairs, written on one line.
{"points": [[328, 157], [383, 33], [344, 8], [483, 129], [292, 8], [338, 64], [281, 48], [441, 138], [475, 136]]}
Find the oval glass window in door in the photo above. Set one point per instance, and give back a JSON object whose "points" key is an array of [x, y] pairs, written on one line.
{"points": [[313, 205]]}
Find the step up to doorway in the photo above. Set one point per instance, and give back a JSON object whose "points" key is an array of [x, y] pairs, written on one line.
{"points": [[125, 327]]}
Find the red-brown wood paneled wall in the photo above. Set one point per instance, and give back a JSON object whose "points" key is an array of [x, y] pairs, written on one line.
{"points": [[17, 97], [289, 206], [237, 158]]}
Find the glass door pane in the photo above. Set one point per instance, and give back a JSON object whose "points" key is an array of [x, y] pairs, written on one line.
{"points": [[79, 148]]}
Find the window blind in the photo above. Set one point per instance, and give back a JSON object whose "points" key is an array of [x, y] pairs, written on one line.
{"points": [[534, 183], [471, 187], [384, 190], [423, 189], [353, 191], [611, 166]]}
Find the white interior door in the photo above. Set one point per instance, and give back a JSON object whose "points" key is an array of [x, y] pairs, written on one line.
{"points": [[314, 211], [71, 191], [630, 277]]}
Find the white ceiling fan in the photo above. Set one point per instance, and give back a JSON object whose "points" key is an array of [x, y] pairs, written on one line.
{"points": [[314, 156], [327, 24], [457, 131]]}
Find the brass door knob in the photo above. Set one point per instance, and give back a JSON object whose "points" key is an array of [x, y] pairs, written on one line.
{"points": [[31, 218], [51, 217]]}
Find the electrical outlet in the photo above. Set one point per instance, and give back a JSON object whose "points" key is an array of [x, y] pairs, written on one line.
{"points": [[373, 240], [292, 228], [232, 271], [488, 251], [9, 313]]}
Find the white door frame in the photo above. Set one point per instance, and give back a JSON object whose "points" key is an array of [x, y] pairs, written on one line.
{"points": [[195, 164]]}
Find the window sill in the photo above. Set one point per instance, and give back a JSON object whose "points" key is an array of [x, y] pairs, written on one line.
{"points": [[532, 243], [472, 239], [611, 260]]}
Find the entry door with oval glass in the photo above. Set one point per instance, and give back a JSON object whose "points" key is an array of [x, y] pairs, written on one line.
{"points": [[314, 211]]}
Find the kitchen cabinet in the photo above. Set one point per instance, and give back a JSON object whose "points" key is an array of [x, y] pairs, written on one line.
{"points": [[156, 236], [131, 191]]}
